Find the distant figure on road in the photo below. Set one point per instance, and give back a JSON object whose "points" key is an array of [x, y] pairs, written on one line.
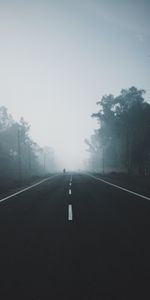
{"points": [[64, 171]]}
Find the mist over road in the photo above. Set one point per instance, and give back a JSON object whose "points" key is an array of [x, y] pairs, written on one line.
{"points": [[73, 237]]}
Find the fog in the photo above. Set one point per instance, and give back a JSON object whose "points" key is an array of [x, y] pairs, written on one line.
{"points": [[58, 58]]}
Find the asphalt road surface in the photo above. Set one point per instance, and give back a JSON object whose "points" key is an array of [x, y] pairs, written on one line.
{"points": [[74, 237]]}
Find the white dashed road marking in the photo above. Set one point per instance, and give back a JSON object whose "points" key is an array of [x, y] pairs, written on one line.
{"points": [[69, 191], [70, 215]]}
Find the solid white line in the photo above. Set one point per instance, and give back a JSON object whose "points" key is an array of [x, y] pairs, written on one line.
{"points": [[70, 215], [69, 191], [26, 189], [119, 187]]}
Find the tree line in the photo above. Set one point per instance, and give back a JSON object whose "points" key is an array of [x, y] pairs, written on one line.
{"points": [[122, 141], [20, 157]]}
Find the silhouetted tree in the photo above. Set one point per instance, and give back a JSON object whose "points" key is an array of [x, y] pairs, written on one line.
{"points": [[124, 131], [19, 154]]}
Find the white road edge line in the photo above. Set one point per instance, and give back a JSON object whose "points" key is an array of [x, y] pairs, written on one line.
{"points": [[28, 188], [70, 215], [119, 187], [69, 191]]}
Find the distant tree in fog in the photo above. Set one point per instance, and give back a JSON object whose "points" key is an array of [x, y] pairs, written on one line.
{"points": [[19, 154]]}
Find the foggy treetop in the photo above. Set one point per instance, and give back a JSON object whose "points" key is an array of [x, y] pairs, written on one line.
{"points": [[20, 157], [122, 141]]}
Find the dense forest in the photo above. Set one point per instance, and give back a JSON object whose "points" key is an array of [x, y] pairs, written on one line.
{"points": [[21, 159], [122, 141]]}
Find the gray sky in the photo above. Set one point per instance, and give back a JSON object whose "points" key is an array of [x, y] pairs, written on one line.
{"points": [[57, 58]]}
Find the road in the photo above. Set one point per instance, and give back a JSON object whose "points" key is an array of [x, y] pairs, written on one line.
{"points": [[74, 237]]}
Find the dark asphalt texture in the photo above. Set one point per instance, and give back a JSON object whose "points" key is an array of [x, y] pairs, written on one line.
{"points": [[104, 253]]}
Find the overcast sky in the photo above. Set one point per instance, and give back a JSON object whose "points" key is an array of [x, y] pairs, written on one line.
{"points": [[58, 57]]}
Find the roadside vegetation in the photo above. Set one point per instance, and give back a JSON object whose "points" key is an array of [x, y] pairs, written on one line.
{"points": [[121, 144], [21, 159]]}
